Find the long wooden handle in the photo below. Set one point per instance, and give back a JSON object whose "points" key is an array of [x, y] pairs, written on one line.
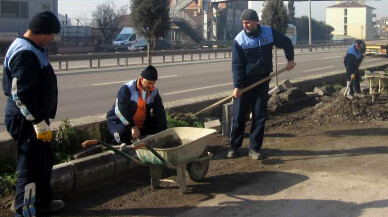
{"points": [[243, 91], [137, 146], [88, 143]]}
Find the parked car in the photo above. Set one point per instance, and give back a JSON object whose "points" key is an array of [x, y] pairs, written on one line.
{"points": [[160, 45]]}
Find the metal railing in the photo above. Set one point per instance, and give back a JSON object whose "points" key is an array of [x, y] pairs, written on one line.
{"points": [[204, 54]]}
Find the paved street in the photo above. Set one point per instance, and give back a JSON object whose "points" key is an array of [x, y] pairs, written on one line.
{"points": [[92, 91]]}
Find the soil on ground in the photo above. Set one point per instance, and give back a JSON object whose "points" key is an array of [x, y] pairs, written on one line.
{"points": [[292, 114]]}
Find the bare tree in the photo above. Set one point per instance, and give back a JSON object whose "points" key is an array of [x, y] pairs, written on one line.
{"points": [[151, 19], [107, 18]]}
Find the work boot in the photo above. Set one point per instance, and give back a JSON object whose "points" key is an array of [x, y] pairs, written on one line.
{"points": [[255, 155], [54, 206], [233, 153]]}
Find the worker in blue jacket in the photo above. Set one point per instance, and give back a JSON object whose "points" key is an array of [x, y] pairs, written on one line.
{"points": [[138, 109], [352, 61], [30, 84], [251, 62]]}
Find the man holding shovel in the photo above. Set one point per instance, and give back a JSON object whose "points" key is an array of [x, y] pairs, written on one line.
{"points": [[352, 62], [138, 109], [252, 62]]}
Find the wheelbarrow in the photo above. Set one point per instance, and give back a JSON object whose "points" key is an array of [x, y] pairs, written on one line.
{"points": [[179, 148]]}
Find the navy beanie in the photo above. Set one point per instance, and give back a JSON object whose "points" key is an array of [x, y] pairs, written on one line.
{"points": [[150, 73], [249, 14], [44, 23]]}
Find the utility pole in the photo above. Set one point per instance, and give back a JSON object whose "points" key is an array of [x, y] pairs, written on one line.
{"points": [[310, 39]]}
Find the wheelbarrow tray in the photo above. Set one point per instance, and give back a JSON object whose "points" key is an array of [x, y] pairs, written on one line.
{"points": [[192, 140]]}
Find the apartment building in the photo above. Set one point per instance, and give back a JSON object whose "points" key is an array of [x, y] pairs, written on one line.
{"points": [[351, 19]]}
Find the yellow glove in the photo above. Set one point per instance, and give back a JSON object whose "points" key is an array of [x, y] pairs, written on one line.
{"points": [[353, 76], [43, 131]]}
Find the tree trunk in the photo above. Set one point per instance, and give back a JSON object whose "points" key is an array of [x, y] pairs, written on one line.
{"points": [[149, 53]]}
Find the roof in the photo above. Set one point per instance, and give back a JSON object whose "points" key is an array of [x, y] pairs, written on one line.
{"points": [[350, 4]]}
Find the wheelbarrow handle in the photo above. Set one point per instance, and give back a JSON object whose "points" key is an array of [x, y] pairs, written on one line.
{"points": [[137, 146], [110, 147], [88, 143]]}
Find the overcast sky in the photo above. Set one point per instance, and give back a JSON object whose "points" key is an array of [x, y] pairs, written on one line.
{"points": [[82, 9]]}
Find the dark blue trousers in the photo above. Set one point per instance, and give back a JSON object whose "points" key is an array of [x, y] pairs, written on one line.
{"points": [[256, 101], [123, 134], [34, 162]]}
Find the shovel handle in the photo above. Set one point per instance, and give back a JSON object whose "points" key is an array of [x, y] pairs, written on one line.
{"points": [[243, 91], [91, 142]]}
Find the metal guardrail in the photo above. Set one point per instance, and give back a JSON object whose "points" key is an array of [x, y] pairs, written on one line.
{"points": [[203, 54]]}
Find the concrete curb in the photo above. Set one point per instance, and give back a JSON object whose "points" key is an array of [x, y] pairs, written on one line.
{"points": [[76, 173]]}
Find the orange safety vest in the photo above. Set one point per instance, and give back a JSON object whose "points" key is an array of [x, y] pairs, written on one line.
{"points": [[141, 112]]}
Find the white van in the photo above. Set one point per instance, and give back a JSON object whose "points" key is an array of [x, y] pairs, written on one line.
{"points": [[128, 36]]}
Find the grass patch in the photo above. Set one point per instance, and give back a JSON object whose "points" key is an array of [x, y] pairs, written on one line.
{"points": [[181, 120]]}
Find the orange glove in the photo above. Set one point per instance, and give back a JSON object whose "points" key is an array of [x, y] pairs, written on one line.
{"points": [[353, 77]]}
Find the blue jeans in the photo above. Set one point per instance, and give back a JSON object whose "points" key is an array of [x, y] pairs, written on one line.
{"points": [[34, 162], [255, 100]]}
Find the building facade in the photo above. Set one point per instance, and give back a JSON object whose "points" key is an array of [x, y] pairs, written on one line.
{"points": [[15, 14], [383, 28], [351, 19]]}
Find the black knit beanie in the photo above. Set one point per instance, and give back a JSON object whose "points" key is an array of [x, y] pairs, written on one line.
{"points": [[249, 14], [44, 23], [150, 73]]}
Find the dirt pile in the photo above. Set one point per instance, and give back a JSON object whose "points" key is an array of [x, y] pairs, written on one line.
{"points": [[338, 109], [331, 109], [292, 99]]}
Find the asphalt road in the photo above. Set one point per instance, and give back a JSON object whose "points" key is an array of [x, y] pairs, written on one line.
{"points": [[88, 92]]}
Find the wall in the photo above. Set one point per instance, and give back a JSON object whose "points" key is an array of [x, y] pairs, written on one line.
{"points": [[20, 25]]}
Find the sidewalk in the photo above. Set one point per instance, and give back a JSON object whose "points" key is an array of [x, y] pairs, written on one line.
{"points": [[336, 172]]}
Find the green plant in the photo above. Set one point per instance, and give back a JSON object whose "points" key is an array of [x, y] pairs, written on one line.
{"points": [[337, 87], [7, 176], [65, 141], [183, 120]]}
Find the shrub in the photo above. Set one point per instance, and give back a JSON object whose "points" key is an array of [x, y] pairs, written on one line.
{"points": [[7, 176], [65, 142]]}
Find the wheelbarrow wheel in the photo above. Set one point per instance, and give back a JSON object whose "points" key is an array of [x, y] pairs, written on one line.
{"points": [[197, 170]]}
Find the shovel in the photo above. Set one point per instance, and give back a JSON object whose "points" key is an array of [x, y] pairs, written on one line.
{"points": [[243, 91]]}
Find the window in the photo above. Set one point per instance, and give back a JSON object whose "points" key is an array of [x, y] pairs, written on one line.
{"points": [[132, 38], [345, 20], [346, 12], [13, 9], [345, 30]]}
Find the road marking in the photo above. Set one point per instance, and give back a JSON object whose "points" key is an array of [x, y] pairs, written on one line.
{"points": [[330, 57], [310, 70], [200, 88], [115, 82], [372, 60]]}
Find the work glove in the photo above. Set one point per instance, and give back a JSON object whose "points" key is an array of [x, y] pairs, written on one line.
{"points": [[353, 77], [43, 131]]}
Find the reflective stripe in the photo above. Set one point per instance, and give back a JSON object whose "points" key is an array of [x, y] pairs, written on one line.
{"points": [[19, 104], [20, 44], [118, 113]]}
